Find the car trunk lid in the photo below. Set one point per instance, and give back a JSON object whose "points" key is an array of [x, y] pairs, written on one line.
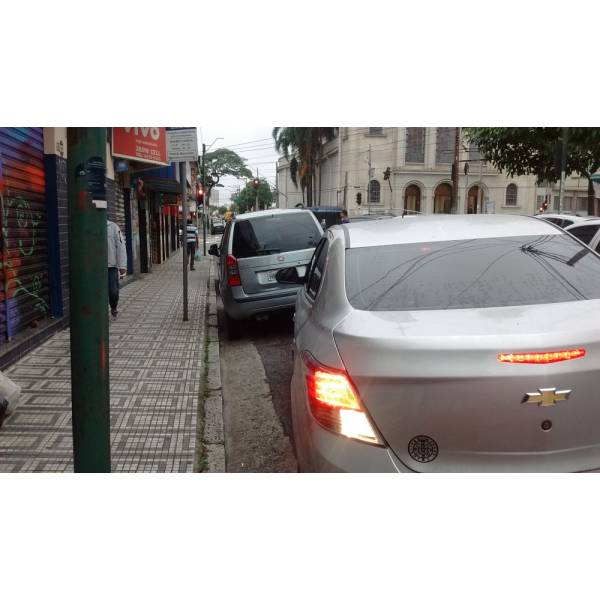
{"points": [[432, 382]]}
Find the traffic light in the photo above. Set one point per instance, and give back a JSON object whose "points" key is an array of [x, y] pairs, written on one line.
{"points": [[358, 198], [256, 182], [199, 195]]}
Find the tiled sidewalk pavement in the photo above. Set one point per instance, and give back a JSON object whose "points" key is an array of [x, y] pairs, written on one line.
{"points": [[155, 378]]}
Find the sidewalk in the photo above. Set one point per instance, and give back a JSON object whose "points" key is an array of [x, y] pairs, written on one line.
{"points": [[157, 377]]}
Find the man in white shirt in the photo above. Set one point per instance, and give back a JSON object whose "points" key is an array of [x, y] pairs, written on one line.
{"points": [[117, 264]]}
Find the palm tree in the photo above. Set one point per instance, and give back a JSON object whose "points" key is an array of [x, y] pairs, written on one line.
{"points": [[305, 144]]}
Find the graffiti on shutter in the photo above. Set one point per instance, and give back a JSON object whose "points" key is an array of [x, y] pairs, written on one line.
{"points": [[23, 236]]}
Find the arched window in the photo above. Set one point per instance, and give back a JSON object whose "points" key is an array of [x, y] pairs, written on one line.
{"points": [[374, 191], [442, 198], [511, 195], [412, 199]]}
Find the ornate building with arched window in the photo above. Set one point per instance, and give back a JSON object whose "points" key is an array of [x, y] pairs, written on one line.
{"points": [[409, 170]]}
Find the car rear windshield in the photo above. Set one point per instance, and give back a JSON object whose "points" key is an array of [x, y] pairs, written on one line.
{"points": [[274, 234], [474, 273]]}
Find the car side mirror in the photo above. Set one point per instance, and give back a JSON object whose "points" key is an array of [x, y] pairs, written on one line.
{"points": [[213, 250], [289, 275]]}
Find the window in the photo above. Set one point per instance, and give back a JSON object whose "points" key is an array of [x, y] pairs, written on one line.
{"points": [[511, 195], [506, 271], [277, 233], [315, 275], [585, 233], [474, 153], [444, 150], [374, 191], [415, 144], [375, 130]]}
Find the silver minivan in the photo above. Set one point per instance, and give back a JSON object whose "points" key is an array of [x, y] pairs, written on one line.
{"points": [[254, 248]]}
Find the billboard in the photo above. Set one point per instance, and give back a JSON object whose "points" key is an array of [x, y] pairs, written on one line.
{"points": [[144, 144]]}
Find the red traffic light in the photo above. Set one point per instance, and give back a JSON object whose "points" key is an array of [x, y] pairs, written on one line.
{"points": [[256, 182]]}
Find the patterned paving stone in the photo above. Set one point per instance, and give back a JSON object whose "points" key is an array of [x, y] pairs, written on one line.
{"points": [[155, 368]]}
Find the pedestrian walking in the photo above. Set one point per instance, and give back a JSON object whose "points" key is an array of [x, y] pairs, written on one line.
{"points": [[117, 264], [192, 241], [344, 216]]}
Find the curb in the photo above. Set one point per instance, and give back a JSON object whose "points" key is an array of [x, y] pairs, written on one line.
{"points": [[213, 436]]}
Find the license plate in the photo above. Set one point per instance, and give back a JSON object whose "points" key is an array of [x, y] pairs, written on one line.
{"points": [[270, 276]]}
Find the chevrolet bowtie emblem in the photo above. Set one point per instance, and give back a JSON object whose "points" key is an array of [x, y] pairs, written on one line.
{"points": [[546, 396]]}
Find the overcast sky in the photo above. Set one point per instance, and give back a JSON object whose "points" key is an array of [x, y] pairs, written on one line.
{"points": [[255, 144]]}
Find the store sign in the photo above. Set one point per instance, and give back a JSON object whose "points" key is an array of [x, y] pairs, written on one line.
{"points": [[144, 144], [182, 144]]}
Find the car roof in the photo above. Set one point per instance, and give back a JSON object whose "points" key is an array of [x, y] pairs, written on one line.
{"points": [[563, 215], [590, 221], [438, 228], [270, 213]]}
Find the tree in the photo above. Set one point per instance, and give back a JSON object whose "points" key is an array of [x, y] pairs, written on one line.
{"points": [[245, 200], [220, 163], [536, 151], [305, 146]]}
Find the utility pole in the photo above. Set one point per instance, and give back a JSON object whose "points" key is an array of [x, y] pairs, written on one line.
{"points": [[563, 169], [257, 188], [454, 207], [339, 173], [204, 199], [89, 299], [369, 184], [480, 187], [184, 208]]}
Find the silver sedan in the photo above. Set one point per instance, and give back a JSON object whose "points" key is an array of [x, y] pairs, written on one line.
{"points": [[447, 343]]}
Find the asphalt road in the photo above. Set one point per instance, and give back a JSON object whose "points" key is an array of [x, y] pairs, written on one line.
{"points": [[255, 375]]}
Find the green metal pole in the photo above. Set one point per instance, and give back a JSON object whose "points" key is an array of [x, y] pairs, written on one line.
{"points": [[89, 299]]}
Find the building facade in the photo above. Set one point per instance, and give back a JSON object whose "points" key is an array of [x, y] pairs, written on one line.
{"points": [[396, 169]]}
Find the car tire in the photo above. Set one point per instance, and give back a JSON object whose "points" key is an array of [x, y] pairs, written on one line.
{"points": [[233, 327]]}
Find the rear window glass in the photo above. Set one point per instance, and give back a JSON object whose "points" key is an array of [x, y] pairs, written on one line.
{"points": [[274, 234], [479, 273], [585, 233]]}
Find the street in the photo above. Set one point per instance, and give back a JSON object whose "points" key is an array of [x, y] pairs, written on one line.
{"points": [[255, 374]]}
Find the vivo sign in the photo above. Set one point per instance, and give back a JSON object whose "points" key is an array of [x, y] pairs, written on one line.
{"points": [[144, 144]]}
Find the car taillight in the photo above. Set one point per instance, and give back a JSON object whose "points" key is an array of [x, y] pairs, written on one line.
{"points": [[233, 273], [334, 402], [541, 358]]}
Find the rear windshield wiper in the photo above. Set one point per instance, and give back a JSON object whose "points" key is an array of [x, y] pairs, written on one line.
{"points": [[563, 259]]}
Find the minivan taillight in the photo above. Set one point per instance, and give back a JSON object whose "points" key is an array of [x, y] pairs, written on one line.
{"points": [[233, 273], [335, 403]]}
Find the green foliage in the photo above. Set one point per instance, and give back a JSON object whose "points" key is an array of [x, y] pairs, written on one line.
{"points": [[246, 198], [304, 145], [536, 150], [221, 163]]}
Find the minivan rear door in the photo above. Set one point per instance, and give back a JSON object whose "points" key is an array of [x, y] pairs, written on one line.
{"points": [[263, 245]]}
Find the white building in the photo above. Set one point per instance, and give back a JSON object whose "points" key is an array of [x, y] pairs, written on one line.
{"points": [[419, 160]]}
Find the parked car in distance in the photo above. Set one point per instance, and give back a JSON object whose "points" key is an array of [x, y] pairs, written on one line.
{"points": [[447, 343], [217, 225], [561, 219], [327, 215], [253, 249], [588, 231]]}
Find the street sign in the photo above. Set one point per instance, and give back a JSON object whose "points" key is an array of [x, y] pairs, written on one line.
{"points": [[182, 145]]}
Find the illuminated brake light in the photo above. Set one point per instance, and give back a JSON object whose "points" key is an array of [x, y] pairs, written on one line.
{"points": [[334, 402], [233, 273], [541, 358]]}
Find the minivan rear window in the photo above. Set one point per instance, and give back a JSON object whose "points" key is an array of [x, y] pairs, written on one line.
{"points": [[473, 273], [274, 234]]}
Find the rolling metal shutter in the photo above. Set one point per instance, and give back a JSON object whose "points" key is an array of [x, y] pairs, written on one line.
{"points": [[23, 237]]}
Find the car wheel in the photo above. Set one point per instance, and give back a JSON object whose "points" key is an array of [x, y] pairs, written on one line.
{"points": [[233, 328]]}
